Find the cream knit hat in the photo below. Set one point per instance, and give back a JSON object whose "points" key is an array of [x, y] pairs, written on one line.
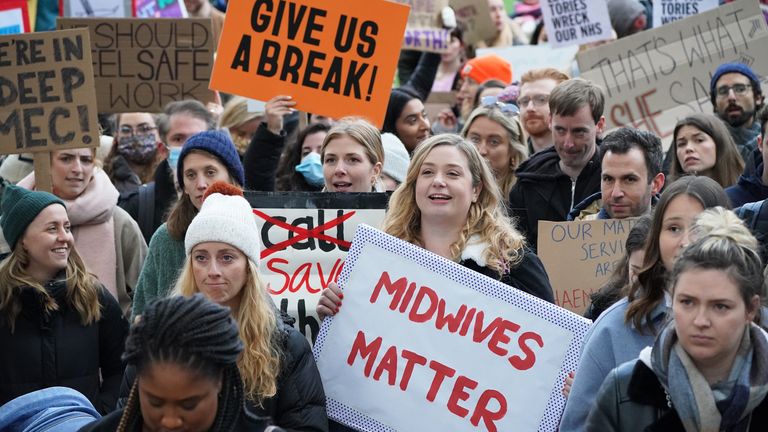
{"points": [[227, 218]]}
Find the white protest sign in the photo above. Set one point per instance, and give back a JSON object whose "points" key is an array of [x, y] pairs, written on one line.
{"points": [[97, 8], [658, 76], [423, 343], [303, 248], [527, 57], [14, 17], [576, 22], [666, 11]]}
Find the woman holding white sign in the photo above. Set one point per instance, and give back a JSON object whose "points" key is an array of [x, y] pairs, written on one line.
{"points": [[708, 368], [450, 204], [633, 322]]}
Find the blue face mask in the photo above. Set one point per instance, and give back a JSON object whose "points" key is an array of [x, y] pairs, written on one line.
{"points": [[312, 170], [173, 157]]}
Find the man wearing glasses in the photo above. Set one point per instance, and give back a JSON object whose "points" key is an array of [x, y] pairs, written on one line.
{"points": [[535, 87], [736, 97]]}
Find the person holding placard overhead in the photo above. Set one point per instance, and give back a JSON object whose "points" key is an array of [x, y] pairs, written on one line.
{"points": [[633, 322], [451, 205], [707, 369]]}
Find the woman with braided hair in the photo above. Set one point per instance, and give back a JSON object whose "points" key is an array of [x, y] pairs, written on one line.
{"points": [[279, 373], [185, 351]]}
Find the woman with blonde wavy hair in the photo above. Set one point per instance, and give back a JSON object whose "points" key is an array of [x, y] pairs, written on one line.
{"points": [[450, 204], [279, 373], [58, 325], [498, 137]]}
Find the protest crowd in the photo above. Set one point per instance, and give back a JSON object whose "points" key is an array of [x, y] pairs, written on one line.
{"points": [[383, 215]]}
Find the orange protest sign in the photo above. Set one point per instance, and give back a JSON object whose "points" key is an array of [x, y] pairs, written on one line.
{"points": [[335, 58]]}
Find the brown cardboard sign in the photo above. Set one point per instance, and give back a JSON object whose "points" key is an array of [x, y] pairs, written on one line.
{"points": [[580, 257], [656, 77], [425, 31], [475, 16], [47, 94], [143, 64]]}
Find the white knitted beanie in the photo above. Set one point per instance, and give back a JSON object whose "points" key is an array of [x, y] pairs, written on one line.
{"points": [[396, 158], [227, 219]]}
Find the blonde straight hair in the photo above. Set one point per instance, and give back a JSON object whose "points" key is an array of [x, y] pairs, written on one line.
{"points": [[261, 358]]}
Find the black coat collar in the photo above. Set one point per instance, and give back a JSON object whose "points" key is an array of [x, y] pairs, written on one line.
{"points": [[644, 388]]}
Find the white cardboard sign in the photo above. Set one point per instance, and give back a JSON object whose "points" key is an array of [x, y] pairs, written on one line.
{"points": [[576, 22], [666, 11], [423, 343]]}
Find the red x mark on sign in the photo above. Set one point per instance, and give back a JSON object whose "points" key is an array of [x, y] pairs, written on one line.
{"points": [[303, 233]]}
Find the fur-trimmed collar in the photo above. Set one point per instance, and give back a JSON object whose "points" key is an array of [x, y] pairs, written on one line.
{"points": [[475, 250]]}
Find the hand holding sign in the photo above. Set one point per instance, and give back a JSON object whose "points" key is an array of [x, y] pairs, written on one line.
{"points": [[330, 301], [275, 111], [427, 344]]}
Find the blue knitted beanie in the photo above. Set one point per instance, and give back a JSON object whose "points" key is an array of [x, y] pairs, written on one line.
{"points": [[733, 68], [219, 144]]}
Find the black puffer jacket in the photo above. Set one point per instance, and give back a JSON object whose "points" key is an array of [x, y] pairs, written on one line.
{"points": [[56, 349], [300, 400], [544, 192], [299, 404]]}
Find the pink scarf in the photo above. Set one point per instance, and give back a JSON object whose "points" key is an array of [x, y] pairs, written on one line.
{"points": [[93, 226]]}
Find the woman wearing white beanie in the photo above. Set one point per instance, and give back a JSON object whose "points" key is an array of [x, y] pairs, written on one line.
{"points": [[280, 376]]}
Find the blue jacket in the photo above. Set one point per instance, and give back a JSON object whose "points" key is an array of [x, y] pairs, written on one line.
{"points": [[749, 188], [609, 343]]}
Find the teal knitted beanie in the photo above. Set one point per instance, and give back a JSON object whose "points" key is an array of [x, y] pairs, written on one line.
{"points": [[20, 207]]}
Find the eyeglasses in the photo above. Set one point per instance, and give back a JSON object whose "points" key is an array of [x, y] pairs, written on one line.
{"points": [[141, 129], [538, 100], [738, 89], [505, 107]]}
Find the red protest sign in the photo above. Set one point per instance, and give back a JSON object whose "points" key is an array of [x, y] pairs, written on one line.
{"points": [[335, 58]]}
